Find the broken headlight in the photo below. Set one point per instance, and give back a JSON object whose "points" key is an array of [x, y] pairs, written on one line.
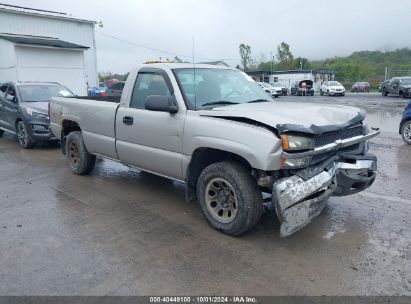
{"points": [[296, 142]]}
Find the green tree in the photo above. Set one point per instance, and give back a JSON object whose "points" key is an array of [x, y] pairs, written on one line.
{"points": [[245, 54], [284, 56]]}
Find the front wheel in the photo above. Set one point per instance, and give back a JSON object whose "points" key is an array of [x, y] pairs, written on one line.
{"points": [[229, 197], [321, 92], [406, 132], [23, 136], [384, 92], [78, 158]]}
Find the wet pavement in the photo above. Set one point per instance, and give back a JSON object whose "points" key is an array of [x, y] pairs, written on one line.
{"points": [[122, 232]]}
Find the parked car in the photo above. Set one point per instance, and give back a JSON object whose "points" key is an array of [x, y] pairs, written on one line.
{"points": [[399, 86], [282, 86], [405, 124], [222, 136], [115, 89], [269, 89], [97, 91], [360, 87], [297, 87], [332, 88], [24, 110]]}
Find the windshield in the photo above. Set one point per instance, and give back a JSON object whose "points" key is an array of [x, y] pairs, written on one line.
{"points": [[204, 87], [42, 92], [406, 81], [334, 83]]}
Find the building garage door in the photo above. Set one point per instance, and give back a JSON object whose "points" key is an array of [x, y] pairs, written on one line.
{"points": [[65, 66]]}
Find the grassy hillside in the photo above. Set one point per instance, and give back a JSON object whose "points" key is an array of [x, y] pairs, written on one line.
{"points": [[368, 65]]}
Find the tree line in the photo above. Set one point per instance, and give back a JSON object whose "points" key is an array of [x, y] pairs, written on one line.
{"points": [[359, 66]]}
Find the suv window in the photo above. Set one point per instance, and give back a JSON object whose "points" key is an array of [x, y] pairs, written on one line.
{"points": [[11, 93], [3, 91], [116, 86], [148, 84]]}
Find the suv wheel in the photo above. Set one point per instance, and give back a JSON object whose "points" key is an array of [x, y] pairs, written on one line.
{"points": [[384, 92], [23, 136], [321, 92], [229, 197], [406, 132], [78, 158], [402, 95]]}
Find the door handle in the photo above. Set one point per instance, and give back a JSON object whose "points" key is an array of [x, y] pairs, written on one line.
{"points": [[128, 120]]}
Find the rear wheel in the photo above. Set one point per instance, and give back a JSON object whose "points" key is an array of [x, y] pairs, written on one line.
{"points": [[406, 132], [229, 197], [78, 158], [23, 136], [321, 92]]}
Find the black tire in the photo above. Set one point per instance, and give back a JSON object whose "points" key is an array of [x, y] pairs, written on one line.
{"points": [[402, 95], [246, 192], [406, 132], [78, 158], [25, 141], [1, 133], [384, 92], [321, 92]]}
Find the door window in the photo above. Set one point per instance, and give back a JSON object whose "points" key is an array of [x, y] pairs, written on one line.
{"points": [[11, 94], [148, 84], [3, 91]]}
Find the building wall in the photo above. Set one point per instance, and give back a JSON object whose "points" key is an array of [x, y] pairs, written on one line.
{"points": [[69, 30], [7, 61]]}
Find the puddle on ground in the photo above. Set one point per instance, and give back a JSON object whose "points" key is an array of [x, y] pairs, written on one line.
{"points": [[387, 121]]}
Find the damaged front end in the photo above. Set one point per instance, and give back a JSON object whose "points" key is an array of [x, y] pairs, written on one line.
{"points": [[341, 167]]}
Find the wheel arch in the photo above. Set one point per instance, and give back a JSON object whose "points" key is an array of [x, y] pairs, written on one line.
{"points": [[67, 126], [203, 157]]}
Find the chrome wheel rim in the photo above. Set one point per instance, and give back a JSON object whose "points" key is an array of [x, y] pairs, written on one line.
{"points": [[407, 131], [221, 200], [21, 134], [73, 154]]}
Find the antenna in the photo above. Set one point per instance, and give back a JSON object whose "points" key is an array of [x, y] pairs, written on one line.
{"points": [[194, 80]]}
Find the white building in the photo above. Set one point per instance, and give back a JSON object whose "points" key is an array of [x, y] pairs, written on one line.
{"points": [[317, 76], [38, 45]]}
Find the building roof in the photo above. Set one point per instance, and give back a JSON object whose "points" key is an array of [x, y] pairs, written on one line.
{"points": [[41, 41], [41, 13], [304, 71]]}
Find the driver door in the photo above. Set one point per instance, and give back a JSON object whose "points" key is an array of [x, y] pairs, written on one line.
{"points": [[10, 108], [150, 140]]}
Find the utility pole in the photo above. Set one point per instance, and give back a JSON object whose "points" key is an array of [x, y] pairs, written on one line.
{"points": [[271, 59]]}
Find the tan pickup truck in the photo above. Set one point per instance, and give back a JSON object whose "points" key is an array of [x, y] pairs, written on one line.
{"points": [[215, 129]]}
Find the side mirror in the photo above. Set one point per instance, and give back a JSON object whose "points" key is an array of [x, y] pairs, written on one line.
{"points": [[161, 103]]}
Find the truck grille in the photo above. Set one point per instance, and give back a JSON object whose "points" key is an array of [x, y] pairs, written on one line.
{"points": [[330, 137]]}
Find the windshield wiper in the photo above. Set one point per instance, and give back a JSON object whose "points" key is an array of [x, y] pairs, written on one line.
{"points": [[259, 100], [221, 102]]}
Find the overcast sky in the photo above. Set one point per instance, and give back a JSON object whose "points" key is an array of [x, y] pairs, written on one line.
{"points": [[314, 29]]}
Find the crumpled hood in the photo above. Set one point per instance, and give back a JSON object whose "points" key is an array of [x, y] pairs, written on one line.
{"points": [[292, 116], [40, 106]]}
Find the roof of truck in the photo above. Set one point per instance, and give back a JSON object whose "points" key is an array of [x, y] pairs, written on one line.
{"points": [[172, 65]]}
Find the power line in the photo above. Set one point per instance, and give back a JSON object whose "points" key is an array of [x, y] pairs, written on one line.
{"points": [[157, 50]]}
